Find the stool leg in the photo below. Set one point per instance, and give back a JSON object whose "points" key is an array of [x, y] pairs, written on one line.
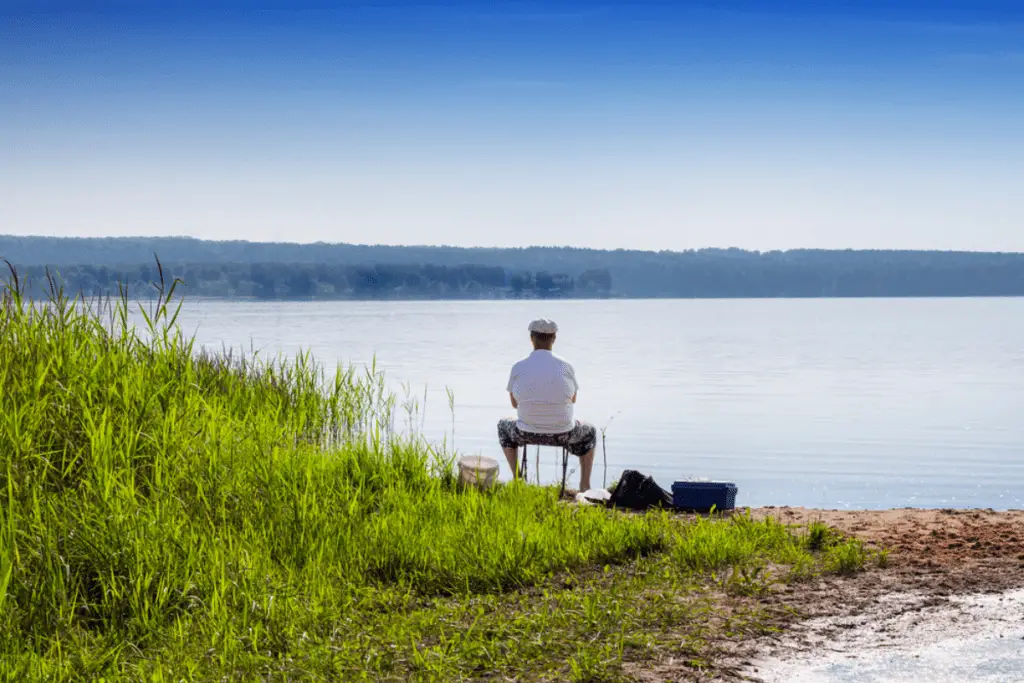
{"points": [[565, 465], [522, 469]]}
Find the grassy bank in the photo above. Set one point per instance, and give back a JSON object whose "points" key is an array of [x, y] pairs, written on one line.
{"points": [[169, 514]]}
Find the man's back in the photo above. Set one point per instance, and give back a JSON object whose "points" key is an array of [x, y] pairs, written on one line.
{"points": [[544, 385], [543, 388]]}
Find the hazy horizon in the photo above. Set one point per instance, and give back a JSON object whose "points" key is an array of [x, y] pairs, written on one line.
{"points": [[654, 126], [488, 247]]}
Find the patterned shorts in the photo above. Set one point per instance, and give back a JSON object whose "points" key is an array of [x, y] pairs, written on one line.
{"points": [[580, 441]]}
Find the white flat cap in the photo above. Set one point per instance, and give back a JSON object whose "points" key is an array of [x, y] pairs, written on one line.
{"points": [[543, 326]]}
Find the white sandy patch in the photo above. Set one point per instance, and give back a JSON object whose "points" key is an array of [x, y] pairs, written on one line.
{"points": [[906, 638]]}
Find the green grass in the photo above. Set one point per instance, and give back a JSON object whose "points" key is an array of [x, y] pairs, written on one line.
{"points": [[169, 514]]}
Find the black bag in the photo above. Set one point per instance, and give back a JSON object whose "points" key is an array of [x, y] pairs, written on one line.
{"points": [[639, 492]]}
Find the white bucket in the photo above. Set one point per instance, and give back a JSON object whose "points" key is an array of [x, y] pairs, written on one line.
{"points": [[477, 470]]}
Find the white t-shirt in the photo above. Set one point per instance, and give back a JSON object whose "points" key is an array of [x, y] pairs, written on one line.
{"points": [[543, 385]]}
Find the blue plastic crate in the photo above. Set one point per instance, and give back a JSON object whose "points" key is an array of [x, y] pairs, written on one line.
{"points": [[702, 495]]}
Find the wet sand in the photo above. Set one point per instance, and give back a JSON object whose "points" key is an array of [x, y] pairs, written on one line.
{"points": [[906, 638], [947, 607]]}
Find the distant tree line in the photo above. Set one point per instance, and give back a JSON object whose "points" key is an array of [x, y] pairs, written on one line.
{"points": [[270, 281], [284, 270]]}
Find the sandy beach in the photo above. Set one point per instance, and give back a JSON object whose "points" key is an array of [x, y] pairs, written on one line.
{"points": [[951, 594], [953, 580]]}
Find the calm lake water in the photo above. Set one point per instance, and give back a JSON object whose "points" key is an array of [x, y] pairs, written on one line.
{"points": [[852, 403]]}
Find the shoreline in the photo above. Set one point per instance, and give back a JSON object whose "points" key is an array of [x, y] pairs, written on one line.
{"points": [[954, 583], [944, 570], [978, 637]]}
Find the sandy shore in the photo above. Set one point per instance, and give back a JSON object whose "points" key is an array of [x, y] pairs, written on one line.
{"points": [[939, 551], [953, 576], [947, 607], [905, 638]]}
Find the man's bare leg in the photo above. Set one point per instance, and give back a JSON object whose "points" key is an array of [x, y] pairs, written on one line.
{"points": [[586, 465], [512, 455]]}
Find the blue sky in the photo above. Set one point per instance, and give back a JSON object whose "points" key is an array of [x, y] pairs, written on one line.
{"points": [[641, 125]]}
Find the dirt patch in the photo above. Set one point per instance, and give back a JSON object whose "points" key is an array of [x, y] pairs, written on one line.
{"points": [[934, 556]]}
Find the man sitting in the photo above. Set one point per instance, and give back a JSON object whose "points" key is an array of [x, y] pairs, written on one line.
{"points": [[543, 390]]}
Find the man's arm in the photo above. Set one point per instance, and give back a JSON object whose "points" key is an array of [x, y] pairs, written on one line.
{"points": [[511, 386], [573, 399]]}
